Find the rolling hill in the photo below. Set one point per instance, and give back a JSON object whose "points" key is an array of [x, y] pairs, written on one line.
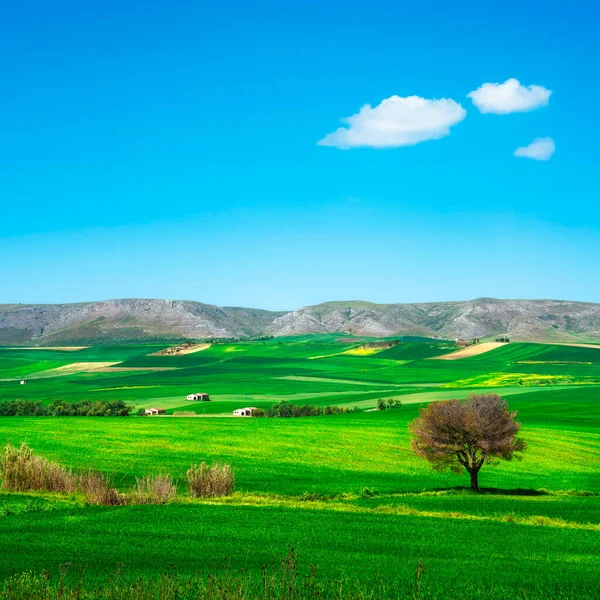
{"points": [[137, 319]]}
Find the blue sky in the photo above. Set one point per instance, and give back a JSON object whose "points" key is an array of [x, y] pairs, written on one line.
{"points": [[170, 150]]}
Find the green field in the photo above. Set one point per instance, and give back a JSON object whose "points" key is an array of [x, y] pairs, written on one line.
{"points": [[533, 533]]}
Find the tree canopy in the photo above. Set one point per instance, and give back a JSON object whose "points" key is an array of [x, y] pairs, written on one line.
{"points": [[455, 434]]}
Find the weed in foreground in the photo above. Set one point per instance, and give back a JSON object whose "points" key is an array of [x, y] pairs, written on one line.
{"points": [[279, 580]]}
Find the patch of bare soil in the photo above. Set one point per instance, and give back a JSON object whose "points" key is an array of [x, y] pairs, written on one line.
{"points": [[62, 348], [470, 351], [76, 367], [181, 349]]}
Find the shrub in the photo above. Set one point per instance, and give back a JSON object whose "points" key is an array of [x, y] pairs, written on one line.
{"points": [[368, 493], [259, 412], [98, 489], [282, 409], [216, 480], [383, 404], [314, 497], [22, 470], [158, 489]]}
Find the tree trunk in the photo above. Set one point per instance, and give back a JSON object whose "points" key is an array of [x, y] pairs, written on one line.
{"points": [[474, 482]]}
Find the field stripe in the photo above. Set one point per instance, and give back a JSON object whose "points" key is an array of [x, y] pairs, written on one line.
{"points": [[474, 350], [347, 381], [399, 510], [594, 346]]}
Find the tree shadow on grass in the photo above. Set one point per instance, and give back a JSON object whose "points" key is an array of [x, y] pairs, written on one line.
{"points": [[495, 491]]}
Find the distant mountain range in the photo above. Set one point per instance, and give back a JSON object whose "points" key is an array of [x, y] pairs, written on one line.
{"points": [[135, 319]]}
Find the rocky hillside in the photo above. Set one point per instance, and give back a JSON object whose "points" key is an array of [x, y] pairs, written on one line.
{"points": [[132, 319], [534, 320], [128, 319]]}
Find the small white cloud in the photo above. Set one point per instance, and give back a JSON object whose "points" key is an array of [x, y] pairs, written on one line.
{"points": [[509, 97], [397, 122], [539, 149]]}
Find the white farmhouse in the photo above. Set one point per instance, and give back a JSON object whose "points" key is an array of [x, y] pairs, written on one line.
{"points": [[244, 412], [202, 396]]}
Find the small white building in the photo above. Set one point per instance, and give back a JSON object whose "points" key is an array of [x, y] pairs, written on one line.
{"points": [[23, 381], [244, 412], [155, 411], [202, 396]]}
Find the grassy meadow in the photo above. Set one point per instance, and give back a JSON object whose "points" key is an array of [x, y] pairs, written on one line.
{"points": [[344, 490]]}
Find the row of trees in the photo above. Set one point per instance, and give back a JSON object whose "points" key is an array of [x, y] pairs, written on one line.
{"points": [[286, 409], [60, 408]]}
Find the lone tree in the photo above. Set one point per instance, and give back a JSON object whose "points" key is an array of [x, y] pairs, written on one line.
{"points": [[453, 434]]}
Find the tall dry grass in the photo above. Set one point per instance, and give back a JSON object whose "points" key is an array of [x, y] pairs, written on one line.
{"points": [[157, 489], [22, 470], [99, 489], [210, 481]]}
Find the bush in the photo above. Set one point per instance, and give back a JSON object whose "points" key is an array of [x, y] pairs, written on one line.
{"points": [[314, 497], [383, 404], [216, 480], [21, 470], [98, 489], [158, 489], [282, 409], [368, 493]]}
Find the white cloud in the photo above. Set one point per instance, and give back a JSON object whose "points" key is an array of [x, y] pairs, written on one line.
{"points": [[397, 122], [539, 149], [509, 97]]}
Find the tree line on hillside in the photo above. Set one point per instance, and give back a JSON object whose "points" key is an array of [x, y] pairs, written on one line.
{"points": [[60, 408], [286, 409]]}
